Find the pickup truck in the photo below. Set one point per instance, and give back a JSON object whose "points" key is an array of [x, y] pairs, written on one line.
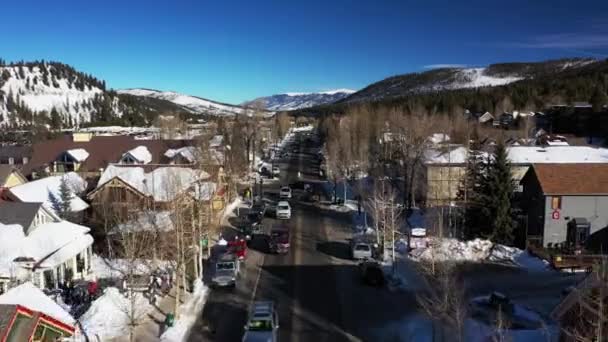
{"points": [[226, 271]]}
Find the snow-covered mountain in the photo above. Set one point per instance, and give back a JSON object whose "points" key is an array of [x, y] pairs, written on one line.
{"points": [[291, 101], [460, 78], [192, 104], [42, 91]]}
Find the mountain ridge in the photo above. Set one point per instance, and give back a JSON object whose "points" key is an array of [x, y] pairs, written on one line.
{"points": [[440, 79], [299, 100]]}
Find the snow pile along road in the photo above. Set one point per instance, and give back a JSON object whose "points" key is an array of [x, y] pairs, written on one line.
{"points": [[108, 316], [478, 250], [189, 312]]}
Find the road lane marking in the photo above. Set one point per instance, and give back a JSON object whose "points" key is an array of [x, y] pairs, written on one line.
{"points": [[257, 281]]}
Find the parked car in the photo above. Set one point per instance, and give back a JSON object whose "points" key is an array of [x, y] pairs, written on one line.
{"points": [[251, 229], [283, 210], [371, 273], [285, 192], [259, 208], [262, 324], [362, 247], [226, 271], [279, 240]]}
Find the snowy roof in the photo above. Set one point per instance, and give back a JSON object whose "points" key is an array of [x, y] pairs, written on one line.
{"points": [[188, 152], [487, 116], [307, 128], [46, 191], [10, 248], [140, 153], [163, 184], [438, 138], [527, 155], [52, 243], [79, 154], [33, 298], [216, 141], [147, 221]]}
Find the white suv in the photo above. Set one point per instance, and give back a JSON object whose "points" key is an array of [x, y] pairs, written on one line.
{"points": [[283, 210], [262, 324], [285, 192]]}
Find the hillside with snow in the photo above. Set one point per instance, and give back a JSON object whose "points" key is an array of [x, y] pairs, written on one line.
{"points": [[51, 91], [462, 78], [292, 101], [192, 104]]}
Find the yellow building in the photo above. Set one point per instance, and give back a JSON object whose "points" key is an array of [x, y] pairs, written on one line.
{"points": [[10, 177]]}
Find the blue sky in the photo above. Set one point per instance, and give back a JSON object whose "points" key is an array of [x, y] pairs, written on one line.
{"points": [[234, 51]]}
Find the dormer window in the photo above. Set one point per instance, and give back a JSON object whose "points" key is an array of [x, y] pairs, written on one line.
{"points": [[138, 155]]}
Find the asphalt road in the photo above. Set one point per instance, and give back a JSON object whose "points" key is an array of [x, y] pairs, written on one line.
{"points": [[315, 287]]}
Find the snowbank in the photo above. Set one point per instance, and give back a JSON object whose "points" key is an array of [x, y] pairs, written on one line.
{"points": [[108, 316], [418, 328], [478, 250], [189, 312]]}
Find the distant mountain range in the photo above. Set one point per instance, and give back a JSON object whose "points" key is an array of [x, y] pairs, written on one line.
{"points": [[192, 104], [57, 95], [292, 101]]}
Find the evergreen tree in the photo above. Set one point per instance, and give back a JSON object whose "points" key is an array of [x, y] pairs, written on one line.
{"points": [[496, 194], [598, 100], [65, 198], [6, 74], [470, 189], [55, 119]]}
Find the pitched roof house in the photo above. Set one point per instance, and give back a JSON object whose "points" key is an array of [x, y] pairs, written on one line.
{"points": [[10, 176], [565, 203], [25, 312], [47, 191], [89, 155], [124, 189]]}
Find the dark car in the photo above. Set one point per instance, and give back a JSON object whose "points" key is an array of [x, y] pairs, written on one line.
{"points": [[279, 240], [371, 273], [259, 207]]}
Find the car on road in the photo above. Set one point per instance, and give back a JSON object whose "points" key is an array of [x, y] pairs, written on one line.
{"points": [[262, 323], [226, 270], [283, 210], [279, 240], [285, 192], [371, 273], [362, 247], [258, 209]]}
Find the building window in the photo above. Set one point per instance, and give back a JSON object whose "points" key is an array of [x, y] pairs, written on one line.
{"points": [[556, 202]]}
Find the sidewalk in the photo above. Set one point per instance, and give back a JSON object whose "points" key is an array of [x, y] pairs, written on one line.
{"points": [[154, 325]]}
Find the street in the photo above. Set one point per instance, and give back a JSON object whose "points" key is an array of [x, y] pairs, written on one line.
{"points": [[316, 288]]}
